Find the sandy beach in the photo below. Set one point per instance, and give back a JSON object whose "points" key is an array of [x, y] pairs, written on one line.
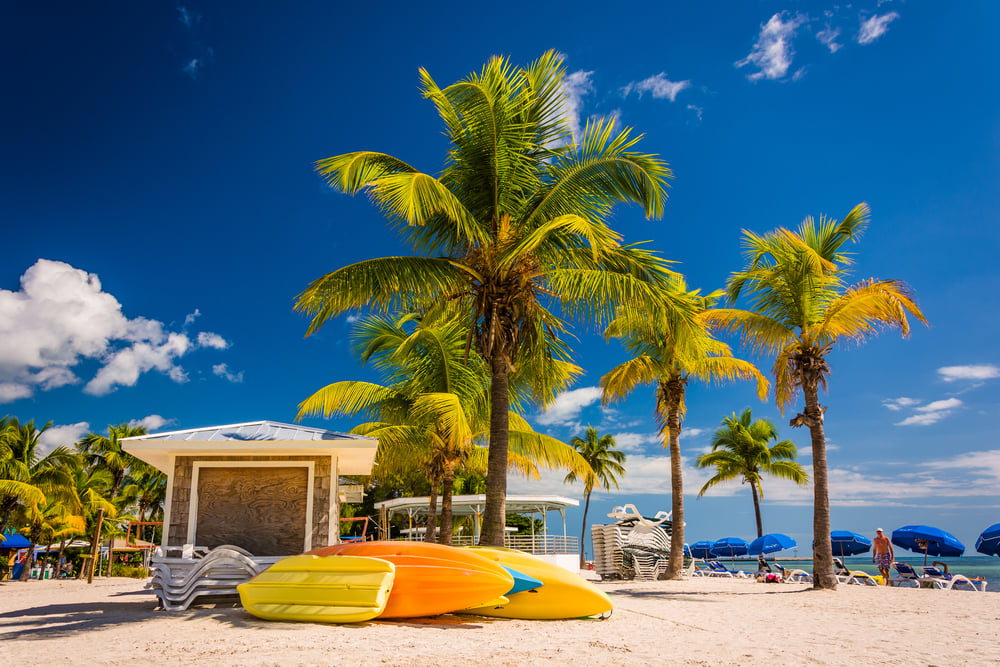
{"points": [[691, 622]]}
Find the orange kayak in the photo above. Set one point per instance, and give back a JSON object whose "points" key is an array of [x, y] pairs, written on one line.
{"points": [[430, 579]]}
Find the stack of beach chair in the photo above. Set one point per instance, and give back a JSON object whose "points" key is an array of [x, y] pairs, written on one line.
{"points": [[634, 547], [183, 575]]}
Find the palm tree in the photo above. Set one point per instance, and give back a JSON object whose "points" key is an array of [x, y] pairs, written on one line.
{"points": [[25, 477], [516, 220], [605, 467], [669, 352], [435, 411], [105, 452], [800, 307], [740, 450]]}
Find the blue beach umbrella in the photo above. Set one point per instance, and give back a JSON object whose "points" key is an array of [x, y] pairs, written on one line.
{"points": [[14, 541], [989, 541], [846, 543], [730, 546], [768, 544], [927, 540], [702, 550]]}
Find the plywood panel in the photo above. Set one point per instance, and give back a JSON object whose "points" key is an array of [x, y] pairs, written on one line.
{"points": [[262, 510]]}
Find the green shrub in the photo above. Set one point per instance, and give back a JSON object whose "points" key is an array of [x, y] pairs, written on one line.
{"points": [[121, 570]]}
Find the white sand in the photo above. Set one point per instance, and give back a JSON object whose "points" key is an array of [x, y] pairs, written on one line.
{"points": [[693, 622]]}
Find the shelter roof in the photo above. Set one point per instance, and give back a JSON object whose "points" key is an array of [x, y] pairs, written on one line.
{"points": [[469, 505], [355, 453]]}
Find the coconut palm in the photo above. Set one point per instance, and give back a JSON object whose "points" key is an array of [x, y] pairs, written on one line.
{"points": [[605, 467], [515, 223], [800, 306], [740, 451], [25, 476], [105, 452], [669, 352], [435, 411]]}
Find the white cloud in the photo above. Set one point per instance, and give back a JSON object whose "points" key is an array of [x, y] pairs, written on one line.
{"points": [[352, 318], [186, 17], [697, 110], [151, 423], [875, 27], [896, 404], [209, 339], [60, 317], [937, 406], [828, 36], [691, 432], [223, 372], [574, 87], [636, 442], [931, 413], [191, 317], [975, 372], [192, 67], [772, 52], [64, 434], [658, 85], [568, 405]]}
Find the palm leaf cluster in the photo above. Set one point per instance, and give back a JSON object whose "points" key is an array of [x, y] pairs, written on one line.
{"points": [[433, 411], [54, 497]]}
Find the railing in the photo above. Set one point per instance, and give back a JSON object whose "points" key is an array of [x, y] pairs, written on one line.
{"points": [[533, 544]]}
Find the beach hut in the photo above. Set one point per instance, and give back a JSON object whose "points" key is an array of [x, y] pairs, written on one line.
{"points": [[270, 488]]}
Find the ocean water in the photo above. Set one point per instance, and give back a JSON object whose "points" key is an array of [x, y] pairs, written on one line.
{"points": [[987, 567]]}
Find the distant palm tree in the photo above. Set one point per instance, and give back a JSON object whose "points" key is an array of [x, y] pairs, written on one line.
{"points": [[800, 307], [669, 350], [740, 451], [605, 466], [514, 225], [105, 453]]}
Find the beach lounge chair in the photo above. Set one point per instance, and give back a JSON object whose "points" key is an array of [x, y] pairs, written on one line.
{"points": [[201, 573], [794, 576], [954, 581], [717, 569], [857, 577], [907, 576]]}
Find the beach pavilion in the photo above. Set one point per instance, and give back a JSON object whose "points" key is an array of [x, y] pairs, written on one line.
{"points": [[273, 489], [562, 549]]}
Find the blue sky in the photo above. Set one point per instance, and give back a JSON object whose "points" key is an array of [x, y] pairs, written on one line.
{"points": [[160, 214]]}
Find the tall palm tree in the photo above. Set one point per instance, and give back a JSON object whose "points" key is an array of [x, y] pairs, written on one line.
{"points": [[800, 306], [740, 451], [605, 467], [434, 412], [669, 352], [514, 223], [25, 476], [105, 452]]}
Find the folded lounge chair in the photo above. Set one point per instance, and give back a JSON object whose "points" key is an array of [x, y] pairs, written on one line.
{"points": [[795, 576]]}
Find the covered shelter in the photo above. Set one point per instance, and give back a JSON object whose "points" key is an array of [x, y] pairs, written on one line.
{"points": [[561, 549], [273, 489]]}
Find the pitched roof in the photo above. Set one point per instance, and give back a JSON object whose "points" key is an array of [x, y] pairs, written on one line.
{"points": [[249, 431]]}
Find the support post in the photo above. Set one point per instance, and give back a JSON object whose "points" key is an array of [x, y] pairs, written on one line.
{"points": [[95, 545]]}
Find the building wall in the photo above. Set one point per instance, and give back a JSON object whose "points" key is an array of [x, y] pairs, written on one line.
{"points": [[325, 476]]}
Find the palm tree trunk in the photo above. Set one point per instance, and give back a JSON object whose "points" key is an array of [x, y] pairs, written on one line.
{"points": [[583, 530], [495, 512], [676, 565], [447, 486], [756, 509], [432, 515], [59, 559], [823, 575]]}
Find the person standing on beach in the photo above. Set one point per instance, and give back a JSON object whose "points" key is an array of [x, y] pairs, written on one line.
{"points": [[883, 554]]}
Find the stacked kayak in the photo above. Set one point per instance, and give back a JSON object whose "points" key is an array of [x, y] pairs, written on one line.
{"points": [[355, 582]]}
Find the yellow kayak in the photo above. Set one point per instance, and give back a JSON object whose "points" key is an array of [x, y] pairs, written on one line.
{"points": [[562, 594], [320, 589]]}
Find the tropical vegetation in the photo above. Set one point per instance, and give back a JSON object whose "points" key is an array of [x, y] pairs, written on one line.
{"points": [[515, 224], [669, 347], [801, 305], [606, 466], [741, 450]]}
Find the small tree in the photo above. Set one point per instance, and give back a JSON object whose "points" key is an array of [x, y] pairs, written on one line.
{"points": [[606, 465]]}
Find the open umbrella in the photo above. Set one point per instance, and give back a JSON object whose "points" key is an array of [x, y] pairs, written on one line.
{"points": [[14, 541], [702, 550], [730, 546], [768, 544], [989, 541], [846, 543], [928, 540]]}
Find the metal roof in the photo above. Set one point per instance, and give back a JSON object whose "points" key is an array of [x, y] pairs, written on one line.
{"points": [[472, 505], [248, 432]]}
